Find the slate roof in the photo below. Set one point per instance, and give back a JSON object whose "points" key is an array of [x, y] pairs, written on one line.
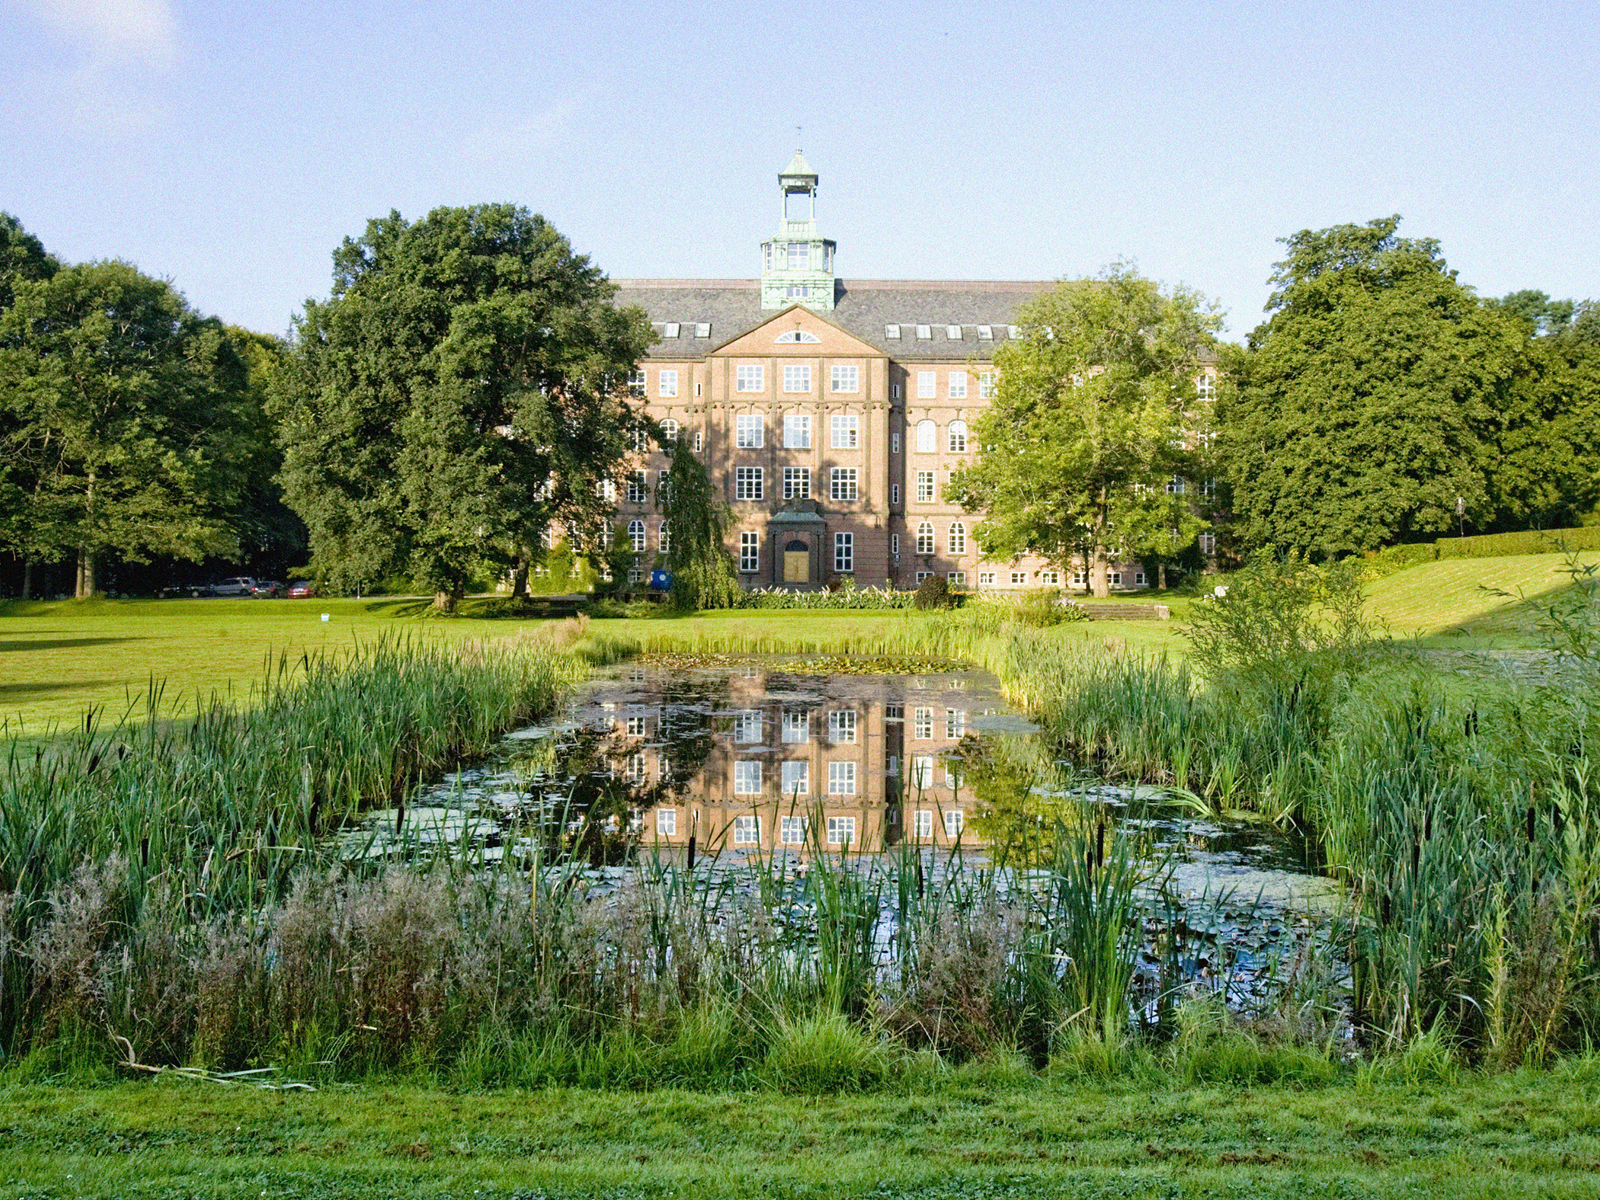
{"points": [[863, 307]]}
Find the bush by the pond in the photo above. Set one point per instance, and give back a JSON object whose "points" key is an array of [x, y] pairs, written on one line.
{"points": [[844, 598]]}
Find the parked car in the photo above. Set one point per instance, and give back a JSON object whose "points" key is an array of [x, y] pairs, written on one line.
{"points": [[266, 589], [301, 589], [238, 585], [195, 590]]}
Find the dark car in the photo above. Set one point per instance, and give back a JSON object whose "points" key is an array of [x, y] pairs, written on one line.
{"points": [[238, 585], [301, 589], [266, 588]]}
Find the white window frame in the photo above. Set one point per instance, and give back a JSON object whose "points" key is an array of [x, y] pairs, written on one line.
{"points": [[921, 724], [922, 823], [844, 379], [636, 383], [666, 822], [749, 552], [796, 483], [925, 487], [792, 830], [844, 431], [844, 553], [747, 777], [922, 771], [747, 726], [957, 579], [842, 778], [797, 379], [927, 437], [663, 538], [956, 437], [750, 431], [638, 487], [669, 430], [747, 829], [842, 725], [795, 777], [958, 385], [926, 542], [954, 822], [927, 385], [985, 578], [842, 483], [749, 483], [796, 727], [956, 539], [750, 377], [636, 536], [986, 385], [666, 384], [842, 830], [797, 431], [955, 723]]}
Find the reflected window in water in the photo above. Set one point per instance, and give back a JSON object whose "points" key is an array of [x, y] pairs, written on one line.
{"points": [[892, 765], [792, 830], [636, 726], [955, 722], [922, 771], [796, 779], [953, 822], [841, 830], [747, 726], [796, 727], [746, 778], [842, 725], [747, 831], [922, 728], [922, 823], [667, 822], [894, 712]]}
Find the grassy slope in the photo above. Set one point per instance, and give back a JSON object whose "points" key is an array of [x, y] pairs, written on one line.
{"points": [[1452, 602], [1521, 1135]]}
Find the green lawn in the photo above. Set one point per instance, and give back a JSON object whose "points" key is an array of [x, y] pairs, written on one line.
{"points": [[1508, 1136], [1453, 601]]}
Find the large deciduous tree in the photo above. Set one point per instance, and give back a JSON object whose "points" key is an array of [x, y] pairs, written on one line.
{"points": [[461, 389], [1094, 409], [125, 423], [1363, 407]]}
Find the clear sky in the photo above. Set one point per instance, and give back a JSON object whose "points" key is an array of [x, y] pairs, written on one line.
{"points": [[229, 147]]}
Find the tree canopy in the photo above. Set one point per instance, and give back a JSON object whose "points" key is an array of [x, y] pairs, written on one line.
{"points": [[1094, 414], [124, 418], [1367, 403], [459, 391]]}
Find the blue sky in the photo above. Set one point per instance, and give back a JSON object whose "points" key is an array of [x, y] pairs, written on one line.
{"points": [[230, 147]]}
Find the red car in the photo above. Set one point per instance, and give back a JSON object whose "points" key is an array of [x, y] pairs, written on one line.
{"points": [[301, 589]]}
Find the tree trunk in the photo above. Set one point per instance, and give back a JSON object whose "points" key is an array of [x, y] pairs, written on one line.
{"points": [[519, 577], [87, 580], [27, 578], [1161, 573], [444, 601], [1099, 572]]}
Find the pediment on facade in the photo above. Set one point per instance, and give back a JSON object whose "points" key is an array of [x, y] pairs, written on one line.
{"points": [[799, 331]]}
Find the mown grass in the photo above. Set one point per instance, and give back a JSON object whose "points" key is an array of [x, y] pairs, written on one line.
{"points": [[985, 1131], [1455, 602]]}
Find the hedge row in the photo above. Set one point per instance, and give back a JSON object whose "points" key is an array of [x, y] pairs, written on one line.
{"points": [[1532, 541], [844, 598]]}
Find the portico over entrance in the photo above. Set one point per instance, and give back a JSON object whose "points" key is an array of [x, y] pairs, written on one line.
{"points": [[796, 531]]}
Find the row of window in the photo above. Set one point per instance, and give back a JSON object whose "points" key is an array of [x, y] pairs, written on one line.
{"points": [[793, 830], [795, 777], [795, 725], [750, 431], [842, 380], [750, 483], [844, 552], [752, 377], [952, 333]]}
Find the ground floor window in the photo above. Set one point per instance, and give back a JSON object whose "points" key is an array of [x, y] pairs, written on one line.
{"points": [[958, 579], [844, 552], [1050, 578], [749, 552], [747, 831], [985, 578], [1018, 578], [666, 821]]}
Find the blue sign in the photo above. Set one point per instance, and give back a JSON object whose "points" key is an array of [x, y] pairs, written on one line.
{"points": [[660, 581]]}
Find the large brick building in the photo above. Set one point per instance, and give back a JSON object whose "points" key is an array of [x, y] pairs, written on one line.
{"points": [[830, 411]]}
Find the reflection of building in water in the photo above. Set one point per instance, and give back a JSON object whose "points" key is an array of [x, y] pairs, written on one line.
{"points": [[873, 767]]}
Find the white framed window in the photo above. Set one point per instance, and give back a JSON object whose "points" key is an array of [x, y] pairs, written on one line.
{"points": [[841, 779], [924, 487], [749, 552], [844, 431], [842, 725], [957, 540], [894, 712], [922, 723], [986, 333], [891, 332], [637, 769], [952, 333], [669, 430], [924, 333], [747, 726], [954, 821], [986, 385], [1116, 579], [666, 822], [1138, 579], [925, 538], [1206, 387], [747, 777], [797, 431], [638, 490], [958, 385], [796, 727], [750, 431], [747, 483], [894, 545], [955, 722], [894, 493], [844, 552], [927, 437], [1014, 332], [750, 377], [1077, 579], [894, 442], [666, 383], [957, 439], [636, 536], [669, 329], [1175, 486], [663, 485], [985, 578], [797, 377], [845, 379], [636, 384], [1050, 578], [842, 483], [921, 575], [641, 441], [1208, 544], [702, 329], [922, 771], [796, 778], [792, 830], [927, 385], [635, 727], [663, 537], [799, 256], [796, 483], [922, 823], [747, 829], [699, 441], [957, 579], [842, 830]]}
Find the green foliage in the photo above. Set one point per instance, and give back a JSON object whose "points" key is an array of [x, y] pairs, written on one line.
{"points": [[842, 599], [1093, 410], [1532, 541], [459, 392], [127, 426], [1398, 557], [703, 574], [1366, 404], [824, 1055], [933, 593]]}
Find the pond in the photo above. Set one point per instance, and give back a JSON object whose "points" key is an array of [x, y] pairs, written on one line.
{"points": [[730, 765]]}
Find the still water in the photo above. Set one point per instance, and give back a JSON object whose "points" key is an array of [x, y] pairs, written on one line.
{"points": [[724, 763]]}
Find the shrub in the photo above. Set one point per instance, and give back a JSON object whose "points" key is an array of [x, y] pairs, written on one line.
{"points": [[825, 1054], [1531, 541], [933, 592]]}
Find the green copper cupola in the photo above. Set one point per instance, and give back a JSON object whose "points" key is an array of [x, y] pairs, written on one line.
{"points": [[797, 264]]}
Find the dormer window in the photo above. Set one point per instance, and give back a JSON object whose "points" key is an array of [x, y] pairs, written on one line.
{"points": [[891, 332], [924, 333], [952, 332], [702, 329], [986, 333], [670, 329]]}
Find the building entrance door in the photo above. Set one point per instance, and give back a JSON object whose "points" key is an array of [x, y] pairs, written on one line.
{"points": [[796, 562]]}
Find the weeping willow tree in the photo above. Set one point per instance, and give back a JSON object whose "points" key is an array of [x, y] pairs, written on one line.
{"points": [[703, 575]]}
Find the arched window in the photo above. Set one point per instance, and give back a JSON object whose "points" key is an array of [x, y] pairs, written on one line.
{"points": [[669, 430], [636, 536], [925, 538], [927, 437], [958, 437], [958, 538], [662, 538]]}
